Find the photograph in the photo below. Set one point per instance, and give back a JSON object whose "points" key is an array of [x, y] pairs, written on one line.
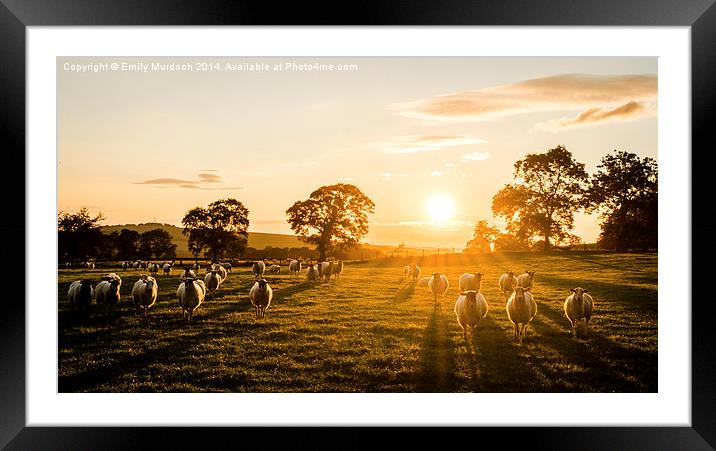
{"points": [[357, 224]]}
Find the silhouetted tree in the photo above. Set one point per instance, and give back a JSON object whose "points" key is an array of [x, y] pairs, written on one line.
{"points": [[548, 189], [333, 216], [156, 243], [219, 229], [78, 235], [509, 242], [127, 244], [625, 190], [483, 237]]}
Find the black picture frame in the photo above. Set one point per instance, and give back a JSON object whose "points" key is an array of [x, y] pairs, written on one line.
{"points": [[16, 15]]}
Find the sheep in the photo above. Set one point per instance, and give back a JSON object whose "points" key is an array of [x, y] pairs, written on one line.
{"points": [[188, 273], [220, 270], [227, 266], [190, 294], [312, 273], [258, 269], [414, 272], [212, 280], [507, 283], [153, 268], [324, 270], [274, 269], [438, 285], [196, 266], [337, 268], [521, 309], [470, 282], [424, 282], [126, 265], [106, 292], [135, 265], [144, 293], [81, 293], [526, 280], [167, 267], [294, 267], [470, 308], [90, 265], [406, 271], [578, 305], [261, 295]]}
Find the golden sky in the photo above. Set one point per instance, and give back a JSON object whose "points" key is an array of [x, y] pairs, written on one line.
{"points": [[142, 143]]}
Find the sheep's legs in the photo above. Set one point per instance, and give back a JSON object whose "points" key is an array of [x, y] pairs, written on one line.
{"points": [[516, 332]]}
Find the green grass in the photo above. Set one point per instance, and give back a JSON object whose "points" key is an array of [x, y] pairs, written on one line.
{"points": [[371, 331]]}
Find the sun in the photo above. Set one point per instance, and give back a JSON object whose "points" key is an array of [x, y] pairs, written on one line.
{"points": [[440, 207]]}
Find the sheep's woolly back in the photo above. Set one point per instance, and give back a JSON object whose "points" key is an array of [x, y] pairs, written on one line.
{"points": [[467, 315], [260, 298], [521, 311]]}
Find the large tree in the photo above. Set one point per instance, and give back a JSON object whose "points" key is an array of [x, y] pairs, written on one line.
{"points": [[156, 243], [334, 216], [483, 237], [127, 243], [547, 191], [219, 229], [625, 190], [78, 235]]}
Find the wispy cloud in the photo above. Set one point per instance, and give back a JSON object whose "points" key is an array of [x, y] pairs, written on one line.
{"points": [[628, 111], [426, 143], [559, 92], [475, 156], [302, 164], [203, 179], [436, 174]]}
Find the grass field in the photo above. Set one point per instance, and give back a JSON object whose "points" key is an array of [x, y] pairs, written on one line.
{"points": [[372, 331]]}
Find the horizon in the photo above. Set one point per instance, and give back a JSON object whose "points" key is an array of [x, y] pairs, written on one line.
{"points": [[406, 131]]}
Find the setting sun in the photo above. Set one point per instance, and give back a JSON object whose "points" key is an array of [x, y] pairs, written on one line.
{"points": [[440, 208]]}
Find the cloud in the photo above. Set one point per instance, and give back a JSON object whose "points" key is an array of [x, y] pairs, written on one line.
{"points": [[344, 179], [426, 143], [628, 111], [302, 164], [436, 174], [475, 156], [203, 178], [559, 92]]}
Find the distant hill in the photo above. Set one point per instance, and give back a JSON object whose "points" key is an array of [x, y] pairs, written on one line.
{"points": [[257, 240]]}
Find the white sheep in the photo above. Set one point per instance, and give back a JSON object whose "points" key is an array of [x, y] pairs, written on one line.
{"points": [[438, 285], [261, 295], [188, 273], [220, 270], [227, 266], [578, 306], [190, 294], [212, 280], [507, 283], [337, 268], [521, 309], [274, 269], [312, 273], [324, 270], [470, 308], [424, 282], [81, 293], [470, 282], [258, 269], [144, 293], [526, 280], [106, 292], [294, 267], [167, 267], [153, 268], [414, 272]]}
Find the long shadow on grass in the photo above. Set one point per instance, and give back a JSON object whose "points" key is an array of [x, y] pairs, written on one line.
{"points": [[609, 365], [437, 358], [404, 293], [646, 297]]}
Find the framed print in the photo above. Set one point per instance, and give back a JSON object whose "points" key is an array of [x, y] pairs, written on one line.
{"points": [[237, 218]]}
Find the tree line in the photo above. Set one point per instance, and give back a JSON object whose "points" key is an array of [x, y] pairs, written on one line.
{"points": [[538, 207]]}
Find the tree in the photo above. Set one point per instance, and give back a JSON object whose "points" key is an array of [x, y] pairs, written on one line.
{"points": [[483, 237], [509, 242], [218, 230], [548, 189], [334, 216], [625, 190], [156, 243], [127, 244], [78, 235]]}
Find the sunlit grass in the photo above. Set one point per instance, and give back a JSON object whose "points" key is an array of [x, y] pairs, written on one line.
{"points": [[371, 331]]}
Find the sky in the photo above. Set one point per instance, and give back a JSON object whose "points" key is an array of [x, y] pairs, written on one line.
{"points": [[430, 139]]}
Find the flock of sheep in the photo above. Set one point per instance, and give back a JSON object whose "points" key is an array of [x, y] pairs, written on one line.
{"points": [[192, 291], [471, 306]]}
